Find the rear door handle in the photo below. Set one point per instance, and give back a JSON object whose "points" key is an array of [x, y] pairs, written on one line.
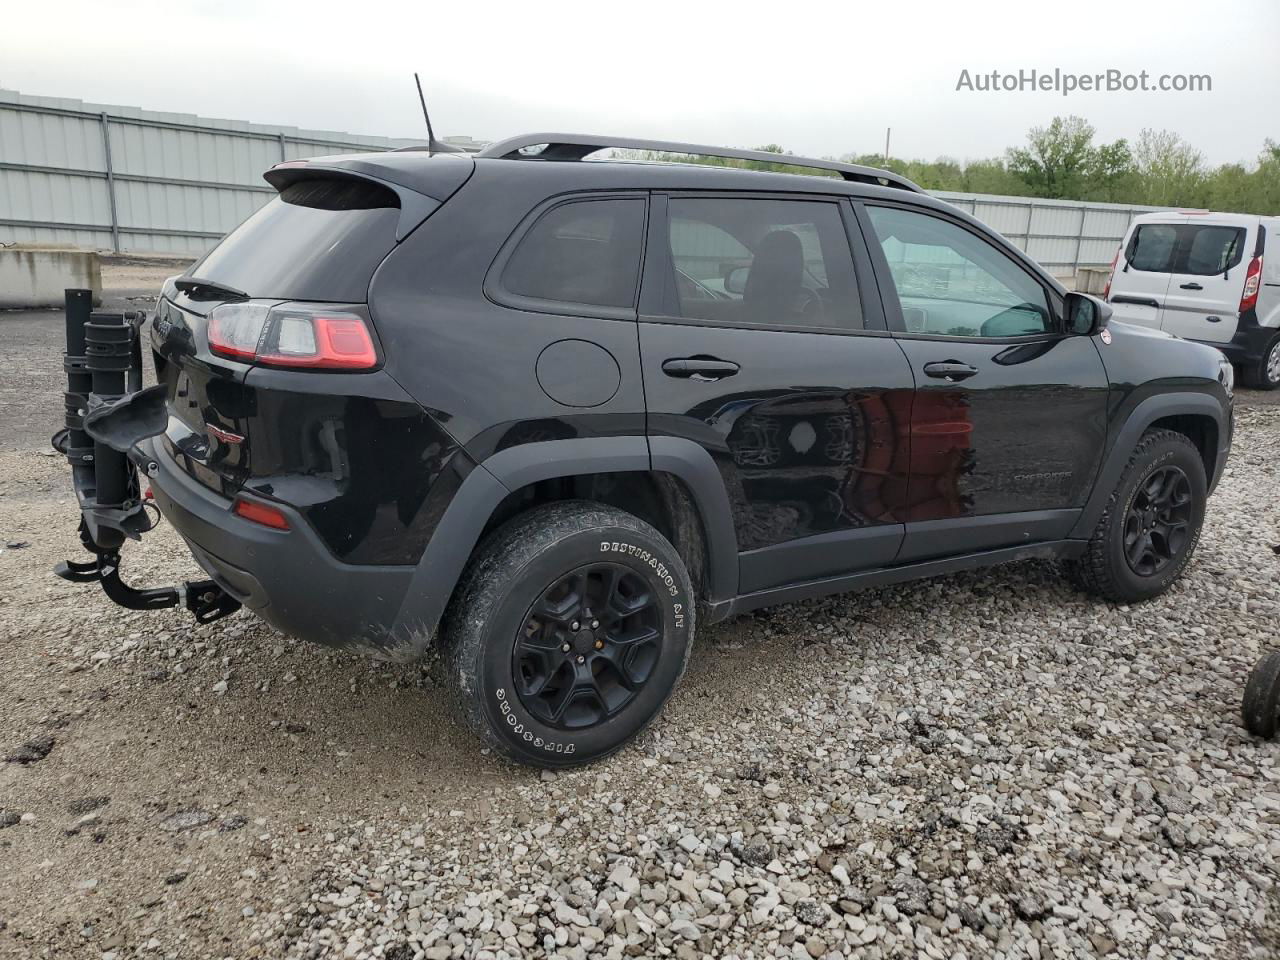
{"points": [[952, 370], [702, 369], [1191, 286]]}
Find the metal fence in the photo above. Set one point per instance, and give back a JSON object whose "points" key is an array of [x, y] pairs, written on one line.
{"points": [[1061, 235], [124, 179], [129, 180]]}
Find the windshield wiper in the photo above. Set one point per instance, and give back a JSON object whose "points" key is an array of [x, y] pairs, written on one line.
{"points": [[192, 284]]}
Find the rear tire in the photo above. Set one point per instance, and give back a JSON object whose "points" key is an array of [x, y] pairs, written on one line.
{"points": [[1142, 543], [1264, 373], [568, 633]]}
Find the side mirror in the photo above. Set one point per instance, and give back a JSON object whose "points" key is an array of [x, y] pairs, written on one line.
{"points": [[736, 281], [1086, 315]]}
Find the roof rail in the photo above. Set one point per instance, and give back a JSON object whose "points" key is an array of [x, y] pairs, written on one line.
{"points": [[576, 146]]}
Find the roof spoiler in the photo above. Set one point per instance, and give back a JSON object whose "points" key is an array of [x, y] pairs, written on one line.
{"points": [[576, 146]]}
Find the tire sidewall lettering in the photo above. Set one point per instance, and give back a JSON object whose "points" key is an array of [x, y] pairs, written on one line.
{"points": [[512, 722]]}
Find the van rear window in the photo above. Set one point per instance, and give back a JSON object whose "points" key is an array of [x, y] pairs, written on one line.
{"points": [[320, 239], [1201, 249]]}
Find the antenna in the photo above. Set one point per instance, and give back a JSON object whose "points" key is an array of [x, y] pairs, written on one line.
{"points": [[433, 145], [431, 134]]}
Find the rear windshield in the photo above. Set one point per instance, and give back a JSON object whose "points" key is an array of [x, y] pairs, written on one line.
{"points": [[1202, 249], [320, 239]]}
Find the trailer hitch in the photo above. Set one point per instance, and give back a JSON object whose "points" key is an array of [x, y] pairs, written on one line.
{"points": [[103, 363], [205, 599]]}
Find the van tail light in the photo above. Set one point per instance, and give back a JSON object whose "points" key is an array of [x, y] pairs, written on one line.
{"points": [[1106, 290], [262, 513], [301, 336], [1252, 281]]}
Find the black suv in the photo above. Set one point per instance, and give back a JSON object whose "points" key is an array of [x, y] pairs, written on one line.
{"points": [[562, 410]]}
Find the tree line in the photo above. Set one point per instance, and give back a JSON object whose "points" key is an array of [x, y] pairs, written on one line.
{"points": [[1063, 161]]}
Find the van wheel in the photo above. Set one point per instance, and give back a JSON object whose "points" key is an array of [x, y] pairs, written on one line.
{"points": [[568, 633], [1264, 374], [1151, 525]]}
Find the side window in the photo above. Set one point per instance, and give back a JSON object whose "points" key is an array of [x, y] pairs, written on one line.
{"points": [[581, 252], [952, 283], [1152, 247], [1211, 249], [747, 261]]}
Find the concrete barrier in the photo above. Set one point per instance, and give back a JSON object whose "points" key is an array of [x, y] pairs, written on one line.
{"points": [[37, 276]]}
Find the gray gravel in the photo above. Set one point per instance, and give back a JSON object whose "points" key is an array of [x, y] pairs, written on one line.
{"points": [[982, 765]]}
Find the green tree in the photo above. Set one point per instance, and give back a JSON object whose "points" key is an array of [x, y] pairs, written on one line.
{"points": [[1061, 161], [1056, 160], [1170, 171], [992, 176], [1109, 174]]}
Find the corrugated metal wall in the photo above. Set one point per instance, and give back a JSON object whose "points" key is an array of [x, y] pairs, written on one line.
{"points": [[1062, 235], [120, 178]]}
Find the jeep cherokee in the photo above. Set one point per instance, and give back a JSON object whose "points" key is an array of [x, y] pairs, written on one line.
{"points": [[559, 411]]}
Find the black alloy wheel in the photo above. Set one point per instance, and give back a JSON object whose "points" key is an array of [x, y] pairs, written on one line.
{"points": [[568, 633], [1157, 524], [587, 646], [1151, 522]]}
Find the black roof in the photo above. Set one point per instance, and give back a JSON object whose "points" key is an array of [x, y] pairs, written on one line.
{"points": [[438, 175]]}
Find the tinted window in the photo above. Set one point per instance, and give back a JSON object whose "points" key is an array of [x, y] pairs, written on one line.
{"points": [[1152, 247], [584, 252], [768, 262], [320, 239], [1211, 250], [1197, 248], [953, 283]]}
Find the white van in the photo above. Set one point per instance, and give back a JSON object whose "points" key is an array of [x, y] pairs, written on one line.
{"points": [[1202, 276]]}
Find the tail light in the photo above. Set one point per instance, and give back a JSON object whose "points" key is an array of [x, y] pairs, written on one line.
{"points": [[262, 513], [1106, 290], [303, 336], [1252, 280]]}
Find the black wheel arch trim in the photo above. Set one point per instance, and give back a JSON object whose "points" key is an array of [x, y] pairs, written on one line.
{"points": [[483, 490], [1135, 425]]}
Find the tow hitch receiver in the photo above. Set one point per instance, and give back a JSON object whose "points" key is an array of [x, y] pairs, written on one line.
{"points": [[205, 599], [107, 412]]}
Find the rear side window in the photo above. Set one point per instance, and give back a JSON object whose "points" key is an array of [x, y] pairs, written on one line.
{"points": [[1200, 249], [747, 261], [1212, 250], [320, 239], [585, 252], [1152, 247]]}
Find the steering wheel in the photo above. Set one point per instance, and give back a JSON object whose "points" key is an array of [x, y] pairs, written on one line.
{"points": [[813, 309]]}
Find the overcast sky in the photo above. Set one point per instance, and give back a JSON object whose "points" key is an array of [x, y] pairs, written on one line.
{"points": [[819, 78]]}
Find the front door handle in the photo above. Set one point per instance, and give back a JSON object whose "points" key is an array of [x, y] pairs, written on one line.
{"points": [[952, 370], [1191, 286], [702, 369]]}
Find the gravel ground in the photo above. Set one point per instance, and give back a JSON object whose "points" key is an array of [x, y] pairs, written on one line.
{"points": [[982, 765]]}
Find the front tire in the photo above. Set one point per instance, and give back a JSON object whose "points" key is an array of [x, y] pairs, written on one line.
{"points": [[1264, 373], [568, 633], [1151, 524]]}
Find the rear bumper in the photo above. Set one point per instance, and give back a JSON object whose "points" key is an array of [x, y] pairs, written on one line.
{"points": [[1250, 341], [287, 577]]}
